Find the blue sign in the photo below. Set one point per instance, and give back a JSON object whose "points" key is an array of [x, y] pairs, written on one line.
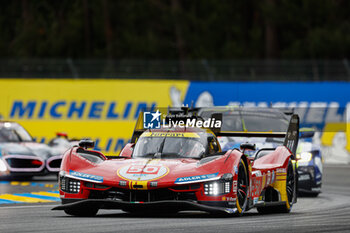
{"points": [[225, 93], [195, 178], [315, 102]]}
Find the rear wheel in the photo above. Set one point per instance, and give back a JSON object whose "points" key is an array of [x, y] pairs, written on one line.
{"points": [[290, 192], [242, 188], [291, 188], [82, 212]]}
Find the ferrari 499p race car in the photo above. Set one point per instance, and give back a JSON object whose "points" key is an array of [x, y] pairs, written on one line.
{"points": [[172, 169], [21, 156]]}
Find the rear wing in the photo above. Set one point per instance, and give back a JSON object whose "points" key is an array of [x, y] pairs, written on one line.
{"points": [[291, 137], [251, 134]]}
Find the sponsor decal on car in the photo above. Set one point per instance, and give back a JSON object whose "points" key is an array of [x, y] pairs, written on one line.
{"points": [[173, 135], [190, 179], [281, 170], [142, 172], [263, 180], [257, 173], [268, 177], [273, 176], [228, 199], [235, 168], [85, 176]]}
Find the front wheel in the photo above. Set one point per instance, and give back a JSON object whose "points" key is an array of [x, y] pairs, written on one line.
{"points": [[242, 188]]}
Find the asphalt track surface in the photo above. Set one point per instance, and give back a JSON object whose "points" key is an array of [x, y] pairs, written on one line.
{"points": [[330, 212]]}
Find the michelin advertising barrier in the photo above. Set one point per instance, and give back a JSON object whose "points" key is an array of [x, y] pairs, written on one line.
{"points": [[106, 110], [103, 110]]}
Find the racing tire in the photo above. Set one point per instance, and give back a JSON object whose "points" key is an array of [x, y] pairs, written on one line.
{"points": [[242, 188], [290, 191], [82, 212]]}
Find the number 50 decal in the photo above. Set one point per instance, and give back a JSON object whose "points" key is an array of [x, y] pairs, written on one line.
{"points": [[138, 169], [142, 172]]}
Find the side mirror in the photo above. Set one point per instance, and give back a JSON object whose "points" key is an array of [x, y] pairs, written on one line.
{"points": [[247, 146], [213, 145], [127, 150], [307, 132], [86, 143], [218, 117]]}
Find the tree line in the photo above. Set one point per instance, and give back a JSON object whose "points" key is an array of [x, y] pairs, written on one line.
{"points": [[175, 29]]}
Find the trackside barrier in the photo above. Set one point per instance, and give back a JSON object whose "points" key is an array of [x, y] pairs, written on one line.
{"points": [[106, 110]]}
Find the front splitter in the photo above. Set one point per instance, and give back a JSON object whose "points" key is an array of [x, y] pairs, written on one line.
{"points": [[144, 206]]}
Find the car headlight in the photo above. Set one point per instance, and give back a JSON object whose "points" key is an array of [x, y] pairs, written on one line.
{"points": [[217, 188], [304, 157], [220, 187], [3, 167], [67, 184]]}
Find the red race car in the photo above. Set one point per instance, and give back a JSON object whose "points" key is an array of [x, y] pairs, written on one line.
{"points": [[171, 169]]}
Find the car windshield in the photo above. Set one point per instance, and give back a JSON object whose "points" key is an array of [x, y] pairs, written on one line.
{"points": [[10, 132], [171, 145]]}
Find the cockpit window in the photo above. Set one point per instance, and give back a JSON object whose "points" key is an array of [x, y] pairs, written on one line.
{"points": [[171, 145]]}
